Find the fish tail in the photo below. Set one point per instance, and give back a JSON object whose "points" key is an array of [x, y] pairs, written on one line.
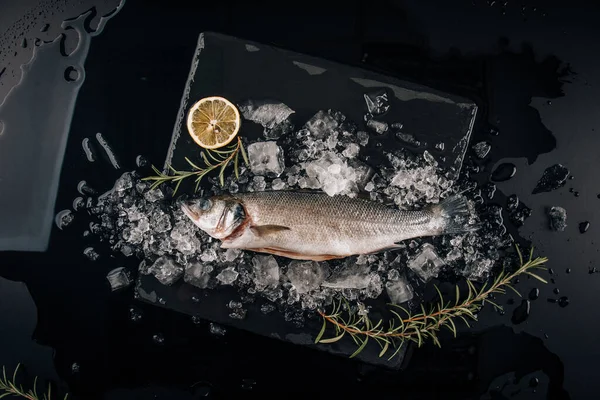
{"points": [[455, 214]]}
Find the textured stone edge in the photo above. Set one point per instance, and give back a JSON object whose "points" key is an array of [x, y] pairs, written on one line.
{"points": [[184, 102]]}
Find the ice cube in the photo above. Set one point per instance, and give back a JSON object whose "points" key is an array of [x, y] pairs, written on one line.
{"points": [[321, 125], [125, 182], [399, 291], [375, 286], [278, 184], [362, 173], [363, 138], [267, 308], [478, 269], [217, 330], [266, 272], [453, 255], [351, 150], [553, 178], [369, 187], [259, 183], [231, 254], [209, 255], [166, 270], [268, 113], [350, 276], [237, 310], [558, 218], [266, 158], [162, 223], [427, 264], [154, 195], [482, 149], [429, 159], [379, 127], [332, 174], [228, 276], [377, 102], [118, 278], [306, 275], [91, 254], [198, 274], [408, 138]]}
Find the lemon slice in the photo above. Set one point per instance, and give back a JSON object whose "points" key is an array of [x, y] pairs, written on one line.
{"points": [[213, 122]]}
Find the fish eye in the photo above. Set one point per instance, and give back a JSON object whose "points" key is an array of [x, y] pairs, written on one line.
{"points": [[204, 204]]}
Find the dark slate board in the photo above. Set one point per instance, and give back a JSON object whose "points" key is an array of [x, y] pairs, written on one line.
{"points": [[239, 70]]}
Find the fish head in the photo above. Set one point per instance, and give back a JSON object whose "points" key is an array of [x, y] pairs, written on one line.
{"points": [[217, 216]]}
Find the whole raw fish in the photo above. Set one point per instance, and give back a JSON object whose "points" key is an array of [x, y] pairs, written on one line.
{"points": [[316, 226]]}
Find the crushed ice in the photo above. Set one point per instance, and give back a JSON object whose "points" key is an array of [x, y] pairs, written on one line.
{"points": [[327, 153]]}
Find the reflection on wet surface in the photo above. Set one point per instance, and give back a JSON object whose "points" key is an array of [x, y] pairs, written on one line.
{"points": [[128, 334]]}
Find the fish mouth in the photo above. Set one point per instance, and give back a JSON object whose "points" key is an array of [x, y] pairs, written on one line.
{"points": [[189, 212]]}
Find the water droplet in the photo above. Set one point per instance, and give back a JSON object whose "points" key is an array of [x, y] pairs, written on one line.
{"points": [[533, 382], [83, 188], [571, 190], [216, 329], [2, 130], [162, 301], [556, 290], [248, 384], [549, 102], [196, 299], [563, 301], [440, 146], [45, 27], [521, 313], [108, 150], [553, 178], [584, 226], [196, 320], [75, 368], [63, 219], [158, 339], [135, 315], [504, 172], [494, 131], [140, 161], [78, 203], [24, 43], [512, 202], [88, 150], [576, 194], [71, 74], [534, 294], [598, 196], [90, 253], [568, 270]]}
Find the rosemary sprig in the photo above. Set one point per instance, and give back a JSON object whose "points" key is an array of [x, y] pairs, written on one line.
{"points": [[426, 324], [9, 387], [213, 159]]}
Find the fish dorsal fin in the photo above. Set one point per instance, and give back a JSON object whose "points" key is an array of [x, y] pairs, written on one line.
{"points": [[263, 230]]}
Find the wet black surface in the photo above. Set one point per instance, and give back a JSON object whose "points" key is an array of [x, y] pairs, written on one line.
{"points": [[513, 65]]}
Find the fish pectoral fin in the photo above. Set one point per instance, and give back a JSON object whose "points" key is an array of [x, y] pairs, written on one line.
{"points": [[294, 255], [263, 230]]}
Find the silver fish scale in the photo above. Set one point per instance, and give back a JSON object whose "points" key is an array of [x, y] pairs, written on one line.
{"points": [[337, 217]]}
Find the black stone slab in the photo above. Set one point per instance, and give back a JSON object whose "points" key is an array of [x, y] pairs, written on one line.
{"points": [[240, 70]]}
